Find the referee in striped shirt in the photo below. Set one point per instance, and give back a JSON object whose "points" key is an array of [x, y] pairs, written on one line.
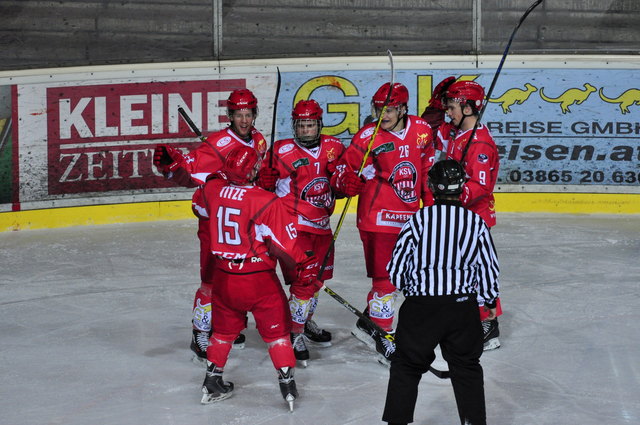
{"points": [[443, 259]]}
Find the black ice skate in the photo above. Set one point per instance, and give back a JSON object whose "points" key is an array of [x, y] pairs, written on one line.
{"points": [[491, 333], [287, 386], [365, 332], [214, 388], [199, 344], [315, 335], [385, 348], [238, 344], [300, 348]]}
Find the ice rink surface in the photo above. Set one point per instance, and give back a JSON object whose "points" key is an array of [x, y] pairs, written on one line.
{"points": [[95, 329]]}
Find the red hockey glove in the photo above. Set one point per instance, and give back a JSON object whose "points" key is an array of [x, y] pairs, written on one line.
{"points": [[439, 91], [350, 184], [308, 271], [166, 158], [267, 178], [434, 117], [331, 168]]}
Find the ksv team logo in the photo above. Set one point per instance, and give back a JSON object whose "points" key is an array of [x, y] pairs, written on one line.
{"points": [[403, 180], [318, 193]]}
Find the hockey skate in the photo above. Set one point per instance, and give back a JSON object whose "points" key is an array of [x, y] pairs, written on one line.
{"points": [[491, 333], [199, 344], [300, 348], [238, 344], [365, 332], [385, 348], [315, 335], [214, 388], [287, 386]]}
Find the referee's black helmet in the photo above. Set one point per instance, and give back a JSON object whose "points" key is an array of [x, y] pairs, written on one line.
{"points": [[446, 177]]}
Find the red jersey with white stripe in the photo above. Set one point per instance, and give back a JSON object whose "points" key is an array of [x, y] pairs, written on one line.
{"points": [[395, 174], [303, 183], [481, 165], [209, 158], [250, 223]]}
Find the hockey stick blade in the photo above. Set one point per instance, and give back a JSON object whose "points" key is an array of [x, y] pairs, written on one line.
{"points": [[191, 124], [438, 373]]}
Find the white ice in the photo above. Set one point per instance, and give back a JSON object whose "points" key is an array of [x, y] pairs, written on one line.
{"points": [[95, 329]]}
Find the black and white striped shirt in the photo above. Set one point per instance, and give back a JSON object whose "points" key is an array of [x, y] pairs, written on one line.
{"points": [[445, 249]]}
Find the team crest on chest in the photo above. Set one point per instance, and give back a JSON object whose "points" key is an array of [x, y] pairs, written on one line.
{"points": [[318, 193], [403, 180]]}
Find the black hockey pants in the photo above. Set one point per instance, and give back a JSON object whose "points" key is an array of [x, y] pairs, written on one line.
{"points": [[423, 323]]}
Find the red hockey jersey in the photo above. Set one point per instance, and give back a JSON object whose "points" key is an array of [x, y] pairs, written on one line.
{"points": [[395, 173], [209, 158], [303, 182], [249, 223], [481, 165]]}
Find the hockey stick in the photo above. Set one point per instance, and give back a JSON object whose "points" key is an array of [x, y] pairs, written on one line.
{"points": [[273, 121], [439, 373], [193, 126], [495, 77], [364, 161]]}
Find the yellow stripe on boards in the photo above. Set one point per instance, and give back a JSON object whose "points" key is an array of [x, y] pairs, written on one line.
{"points": [[564, 203], [95, 215]]}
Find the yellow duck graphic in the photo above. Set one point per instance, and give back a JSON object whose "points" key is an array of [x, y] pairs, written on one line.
{"points": [[513, 96], [570, 97], [625, 100]]}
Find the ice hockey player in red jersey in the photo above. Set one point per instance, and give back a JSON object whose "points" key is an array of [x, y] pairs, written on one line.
{"points": [[250, 228], [462, 102], [392, 183], [192, 169], [299, 170]]}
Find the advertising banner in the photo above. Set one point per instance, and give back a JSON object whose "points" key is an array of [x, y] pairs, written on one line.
{"points": [[553, 127], [87, 139]]}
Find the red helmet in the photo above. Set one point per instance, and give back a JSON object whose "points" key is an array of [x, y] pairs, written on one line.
{"points": [[241, 99], [399, 96], [307, 110], [466, 91], [240, 164]]}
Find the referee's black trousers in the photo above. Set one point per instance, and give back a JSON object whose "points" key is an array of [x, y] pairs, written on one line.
{"points": [[423, 323]]}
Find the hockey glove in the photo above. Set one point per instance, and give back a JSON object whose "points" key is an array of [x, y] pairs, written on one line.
{"points": [[350, 184], [434, 117], [331, 168], [166, 158], [439, 92], [308, 271], [267, 178]]}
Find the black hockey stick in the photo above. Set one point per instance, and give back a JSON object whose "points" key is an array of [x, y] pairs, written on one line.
{"points": [[497, 74], [193, 126], [439, 373], [273, 121]]}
